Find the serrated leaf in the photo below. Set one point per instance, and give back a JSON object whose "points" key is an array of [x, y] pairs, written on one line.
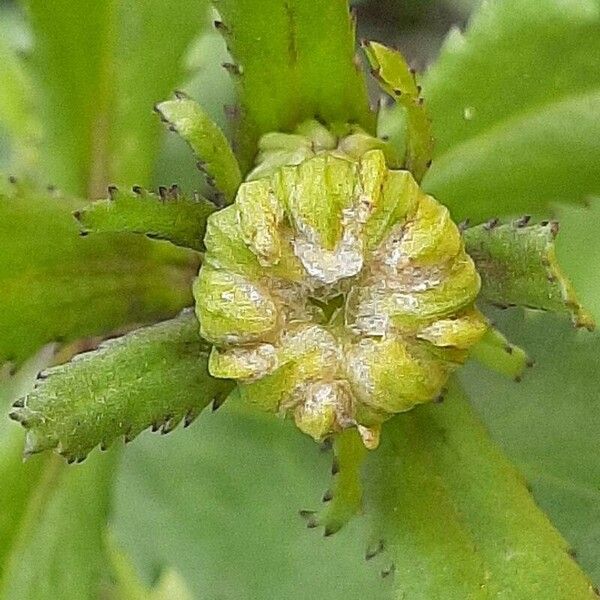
{"points": [[515, 106], [295, 61], [455, 517], [57, 285], [344, 497], [549, 425], [168, 215], [518, 267], [239, 479], [494, 351], [396, 78], [153, 377], [190, 121], [59, 552]]}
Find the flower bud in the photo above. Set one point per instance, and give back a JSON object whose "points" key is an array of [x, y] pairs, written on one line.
{"points": [[334, 289]]}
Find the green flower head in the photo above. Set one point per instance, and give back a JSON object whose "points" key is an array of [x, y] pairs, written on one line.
{"points": [[334, 289]]}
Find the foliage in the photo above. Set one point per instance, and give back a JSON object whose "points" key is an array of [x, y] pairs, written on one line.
{"points": [[436, 510]]}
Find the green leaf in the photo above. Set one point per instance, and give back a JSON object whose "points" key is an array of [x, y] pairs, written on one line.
{"points": [[16, 105], [188, 119], [494, 351], [456, 519], [178, 505], [518, 267], [147, 68], [295, 61], [100, 68], [74, 43], [548, 424], [166, 216], [155, 376], [396, 78], [578, 251], [57, 285], [344, 498], [18, 478], [59, 552], [515, 105]]}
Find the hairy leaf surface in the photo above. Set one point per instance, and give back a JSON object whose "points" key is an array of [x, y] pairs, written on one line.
{"points": [[209, 144], [167, 215], [518, 267], [153, 377]]}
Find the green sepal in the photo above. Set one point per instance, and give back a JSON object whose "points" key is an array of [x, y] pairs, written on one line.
{"points": [[398, 80], [153, 377], [168, 215], [518, 267], [59, 286], [344, 498], [209, 144], [495, 352]]}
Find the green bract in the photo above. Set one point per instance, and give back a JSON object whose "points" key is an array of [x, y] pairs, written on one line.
{"points": [[334, 289]]}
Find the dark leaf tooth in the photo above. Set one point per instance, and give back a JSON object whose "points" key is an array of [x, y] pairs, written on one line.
{"points": [[113, 190], [508, 349], [329, 531], [572, 553], [530, 363], [305, 513], [70, 459], [491, 224], [137, 189], [554, 227], [12, 179], [77, 214], [523, 221], [327, 496], [428, 164], [172, 128], [388, 571], [518, 379], [312, 523], [174, 190], [156, 426], [232, 69], [221, 27], [162, 192], [181, 95], [80, 459], [190, 417], [218, 402], [544, 223], [335, 466], [20, 403], [19, 417], [464, 225], [84, 233], [374, 550]]}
